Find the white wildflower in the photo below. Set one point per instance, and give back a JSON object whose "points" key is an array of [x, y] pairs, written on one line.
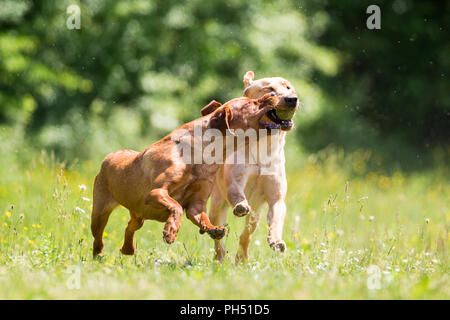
{"points": [[79, 210], [158, 262]]}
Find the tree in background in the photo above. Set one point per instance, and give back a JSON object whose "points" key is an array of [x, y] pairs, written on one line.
{"points": [[138, 68], [141, 66], [393, 83]]}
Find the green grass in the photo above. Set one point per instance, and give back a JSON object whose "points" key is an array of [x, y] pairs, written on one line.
{"points": [[349, 225]]}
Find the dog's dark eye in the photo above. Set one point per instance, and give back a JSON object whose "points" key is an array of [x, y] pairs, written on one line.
{"points": [[289, 88], [271, 89]]}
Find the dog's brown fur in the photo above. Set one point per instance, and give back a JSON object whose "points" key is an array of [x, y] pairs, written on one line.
{"points": [[157, 184]]}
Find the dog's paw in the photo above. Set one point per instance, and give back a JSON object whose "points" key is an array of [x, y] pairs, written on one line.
{"points": [[170, 231], [279, 246], [128, 251], [169, 237], [241, 209], [97, 250], [217, 233]]}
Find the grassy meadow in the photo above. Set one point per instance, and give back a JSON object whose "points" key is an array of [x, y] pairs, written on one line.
{"points": [[368, 203], [351, 233]]}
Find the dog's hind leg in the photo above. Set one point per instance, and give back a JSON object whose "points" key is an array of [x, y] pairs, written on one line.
{"points": [[218, 216], [251, 222], [103, 205], [134, 224]]}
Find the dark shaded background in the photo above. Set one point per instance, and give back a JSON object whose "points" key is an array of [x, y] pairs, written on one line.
{"points": [[137, 69]]}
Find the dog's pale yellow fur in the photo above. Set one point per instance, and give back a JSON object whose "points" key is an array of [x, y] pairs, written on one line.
{"points": [[246, 187]]}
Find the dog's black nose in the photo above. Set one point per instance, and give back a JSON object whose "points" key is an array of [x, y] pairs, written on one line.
{"points": [[291, 101]]}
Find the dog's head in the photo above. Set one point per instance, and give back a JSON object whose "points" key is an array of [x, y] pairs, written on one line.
{"points": [[240, 113], [281, 116]]}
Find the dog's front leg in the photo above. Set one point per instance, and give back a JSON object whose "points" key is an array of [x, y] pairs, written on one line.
{"points": [[160, 197], [198, 194], [196, 212], [275, 191], [275, 220], [236, 180]]}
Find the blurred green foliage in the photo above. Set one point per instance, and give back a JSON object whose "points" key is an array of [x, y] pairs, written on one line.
{"points": [[393, 83], [136, 69]]}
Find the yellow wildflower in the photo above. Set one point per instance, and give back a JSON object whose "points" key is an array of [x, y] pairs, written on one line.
{"points": [[38, 226], [25, 228], [30, 241], [8, 214], [5, 224], [34, 226], [105, 234], [331, 235]]}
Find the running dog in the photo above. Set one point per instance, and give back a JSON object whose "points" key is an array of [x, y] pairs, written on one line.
{"points": [[246, 187], [157, 184]]}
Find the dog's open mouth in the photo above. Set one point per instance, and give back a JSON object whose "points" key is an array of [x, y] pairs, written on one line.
{"points": [[276, 122]]}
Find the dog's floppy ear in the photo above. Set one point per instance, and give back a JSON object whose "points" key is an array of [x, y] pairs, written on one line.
{"points": [[210, 107], [221, 119], [248, 78], [268, 100]]}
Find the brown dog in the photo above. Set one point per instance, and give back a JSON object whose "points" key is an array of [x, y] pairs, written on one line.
{"points": [[246, 187], [158, 183]]}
